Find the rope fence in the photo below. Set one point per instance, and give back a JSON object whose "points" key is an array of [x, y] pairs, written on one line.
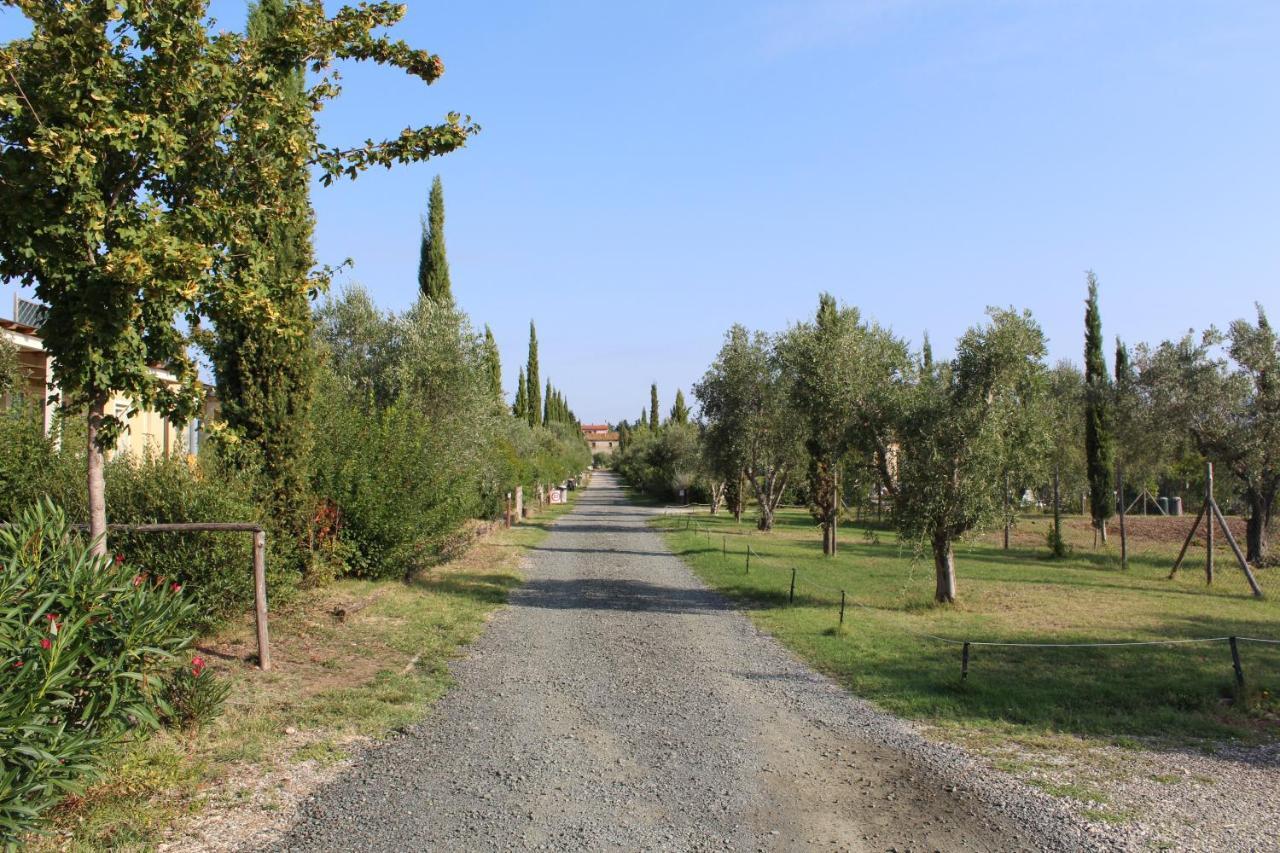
{"points": [[692, 525]]}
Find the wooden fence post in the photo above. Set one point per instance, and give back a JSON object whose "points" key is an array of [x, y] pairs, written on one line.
{"points": [[260, 598], [1208, 530], [1235, 661]]}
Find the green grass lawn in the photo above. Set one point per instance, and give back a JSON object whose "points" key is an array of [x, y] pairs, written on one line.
{"points": [[1177, 693]]}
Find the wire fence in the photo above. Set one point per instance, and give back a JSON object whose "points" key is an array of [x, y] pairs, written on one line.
{"points": [[760, 562]]}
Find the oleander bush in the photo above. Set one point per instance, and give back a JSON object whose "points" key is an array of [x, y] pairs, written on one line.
{"points": [[84, 641], [195, 695]]}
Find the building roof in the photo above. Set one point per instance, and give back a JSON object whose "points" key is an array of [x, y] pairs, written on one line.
{"points": [[595, 427], [602, 436]]}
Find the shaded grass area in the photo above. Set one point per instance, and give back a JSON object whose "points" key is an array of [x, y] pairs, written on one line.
{"points": [[334, 684], [1176, 693]]}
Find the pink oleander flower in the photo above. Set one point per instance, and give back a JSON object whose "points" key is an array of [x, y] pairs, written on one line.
{"points": [[45, 644]]}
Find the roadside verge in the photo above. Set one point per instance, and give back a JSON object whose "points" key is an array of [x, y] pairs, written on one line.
{"points": [[354, 660]]}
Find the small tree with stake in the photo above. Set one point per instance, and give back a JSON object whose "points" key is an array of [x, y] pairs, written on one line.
{"points": [[965, 424]]}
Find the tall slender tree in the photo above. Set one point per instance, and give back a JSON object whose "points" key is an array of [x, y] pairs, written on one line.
{"points": [[492, 363], [680, 411], [264, 371], [1098, 441], [653, 407], [521, 406], [433, 265], [548, 401], [533, 386]]}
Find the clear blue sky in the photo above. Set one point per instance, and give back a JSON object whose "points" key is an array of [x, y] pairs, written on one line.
{"points": [[650, 173]]}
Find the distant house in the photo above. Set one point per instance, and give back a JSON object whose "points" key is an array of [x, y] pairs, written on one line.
{"points": [[600, 438], [146, 431]]}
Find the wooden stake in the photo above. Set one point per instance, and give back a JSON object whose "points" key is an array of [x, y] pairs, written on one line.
{"points": [[260, 598], [1186, 543], [791, 596], [1006, 510], [1235, 662], [1235, 549], [1124, 538], [842, 607], [1208, 526]]}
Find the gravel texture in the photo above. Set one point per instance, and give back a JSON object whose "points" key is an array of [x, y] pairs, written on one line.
{"points": [[617, 703]]}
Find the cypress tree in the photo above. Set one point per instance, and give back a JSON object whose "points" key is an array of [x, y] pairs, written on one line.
{"points": [[532, 380], [433, 266], [521, 407], [680, 411], [653, 407], [926, 354], [1124, 366], [643, 421], [1098, 441], [264, 370], [546, 405], [492, 363]]}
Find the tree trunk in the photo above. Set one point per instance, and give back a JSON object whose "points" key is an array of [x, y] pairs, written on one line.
{"points": [[1124, 536], [826, 539], [96, 482], [1102, 530], [1261, 507], [944, 564], [717, 496]]}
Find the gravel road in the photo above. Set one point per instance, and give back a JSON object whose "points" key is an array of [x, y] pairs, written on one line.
{"points": [[618, 704]]}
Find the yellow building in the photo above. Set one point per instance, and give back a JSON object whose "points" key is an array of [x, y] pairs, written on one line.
{"points": [[146, 431]]}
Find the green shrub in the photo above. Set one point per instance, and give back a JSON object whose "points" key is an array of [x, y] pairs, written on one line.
{"points": [[29, 463], [195, 696], [82, 640], [216, 569]]}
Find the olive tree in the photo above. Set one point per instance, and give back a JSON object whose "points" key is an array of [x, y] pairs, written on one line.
{"points": [[744, 399], [1229, 405], [965, 424], [844, 381]]}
